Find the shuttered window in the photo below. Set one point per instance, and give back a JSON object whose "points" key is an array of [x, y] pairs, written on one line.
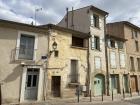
{"points": [[113, 59], [97, 63], [122, 60]]}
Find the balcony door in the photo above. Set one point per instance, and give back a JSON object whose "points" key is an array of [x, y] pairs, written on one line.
{"points": [[26, 50]]}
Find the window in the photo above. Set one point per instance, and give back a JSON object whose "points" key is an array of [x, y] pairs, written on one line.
{"points": [[120, 45], [74, 71], [26, 47], [94, 19], [113, 59], [122, 60], [97, 63], [79, 42], [137, 46], [136, 34], [132, 68], [96, 43], [138, 62], [112, 43]]}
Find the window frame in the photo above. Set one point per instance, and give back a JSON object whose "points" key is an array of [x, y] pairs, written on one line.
{"points": [[100, 63], [18, 44]]}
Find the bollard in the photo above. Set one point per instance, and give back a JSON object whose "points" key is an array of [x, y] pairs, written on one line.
{"points": [[102, 95], [138, 92], [90, 96], [78, 95], [112, 96], [130, 92], [123, 93]]}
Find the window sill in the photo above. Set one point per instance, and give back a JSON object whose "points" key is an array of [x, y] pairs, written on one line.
{"points": [[82, 48]]}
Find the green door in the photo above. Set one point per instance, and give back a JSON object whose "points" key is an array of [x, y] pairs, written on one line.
{"points": [[98, 85]]}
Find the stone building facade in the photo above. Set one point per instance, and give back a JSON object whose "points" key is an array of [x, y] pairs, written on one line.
{"points": [[91, 20], [131, 33]]}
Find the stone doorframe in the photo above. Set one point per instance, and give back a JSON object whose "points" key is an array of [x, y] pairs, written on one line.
{"points": [[40, 82]]}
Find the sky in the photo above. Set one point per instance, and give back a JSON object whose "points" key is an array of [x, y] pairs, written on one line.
{"points": [[52, 11]]}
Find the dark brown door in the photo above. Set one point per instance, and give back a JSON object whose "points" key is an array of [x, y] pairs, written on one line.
{"points": [[134, 83], [56, 84]]}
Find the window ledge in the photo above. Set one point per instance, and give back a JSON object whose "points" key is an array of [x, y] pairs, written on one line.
{"points": [[95, 27], [82, 48]]}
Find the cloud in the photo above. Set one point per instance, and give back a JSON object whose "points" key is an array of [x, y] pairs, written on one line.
{"points": [[53, 10]]}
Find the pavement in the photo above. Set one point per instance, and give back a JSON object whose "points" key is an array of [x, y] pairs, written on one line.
{"points": [[107, 100]]}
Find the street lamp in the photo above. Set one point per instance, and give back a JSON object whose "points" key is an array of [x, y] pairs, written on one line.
{"points": [[36, 10]]}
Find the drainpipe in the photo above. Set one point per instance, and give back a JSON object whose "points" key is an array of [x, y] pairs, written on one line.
{"points": [[106, 56], [88, 69]]}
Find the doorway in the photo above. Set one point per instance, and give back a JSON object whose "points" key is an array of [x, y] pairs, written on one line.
{"points": [[134, 85], [31, 85], [56, 85], [99, 85]]}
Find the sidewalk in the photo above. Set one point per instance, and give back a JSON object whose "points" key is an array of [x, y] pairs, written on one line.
{"points": [[82, 100]]}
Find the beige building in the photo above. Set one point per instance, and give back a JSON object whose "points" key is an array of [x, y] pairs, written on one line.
{"points": [[91, 20], [38, 63], [117, 64], [67, 64], [131, 33], [21, 67]]}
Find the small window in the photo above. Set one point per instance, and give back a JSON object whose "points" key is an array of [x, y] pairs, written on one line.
{"points": [[120, 45], [97, 43], [132, 64], [79, 42], [136, 34], [137, 46], [95, 82], [97, 63], [96, 20]]}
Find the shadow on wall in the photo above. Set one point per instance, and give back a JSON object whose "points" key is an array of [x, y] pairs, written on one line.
{"points": [[17, 72]]}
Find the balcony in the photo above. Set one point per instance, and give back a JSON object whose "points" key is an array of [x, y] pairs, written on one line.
{"points": [[25, 53], [74, 78]]}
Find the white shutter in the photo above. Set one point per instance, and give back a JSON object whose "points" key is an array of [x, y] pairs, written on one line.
{"points": [[113, 59], [97, 63], [122, 60], [101, 43], [100, 22], [109, 43], [116, 44], [92, 43], [91, 20]]}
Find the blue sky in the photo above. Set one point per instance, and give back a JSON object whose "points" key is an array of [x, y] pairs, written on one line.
{"points": [[53, 10]]}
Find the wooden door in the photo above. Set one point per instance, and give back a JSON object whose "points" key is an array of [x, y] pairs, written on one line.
{"points": [[56, 85], [133, 83]]}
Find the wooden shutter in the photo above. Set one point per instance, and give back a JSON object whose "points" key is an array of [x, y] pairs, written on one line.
{"points": [[91, 20], [113, 59], [92, 43], [97, 63], [122, 60]]}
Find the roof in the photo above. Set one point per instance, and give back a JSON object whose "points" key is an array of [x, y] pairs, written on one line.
{"points": [[74, 32], [127, 23], [21, 26], [40, 29], [93, 8]]}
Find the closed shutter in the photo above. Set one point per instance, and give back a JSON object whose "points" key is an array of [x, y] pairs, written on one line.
{"points": [[113, 59], [92, 43], [100, 22], [91, 20], [109, 43], [122, 60], [97, 63], [116, 44]]}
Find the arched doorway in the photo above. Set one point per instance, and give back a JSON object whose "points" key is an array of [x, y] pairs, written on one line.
{"points": [[99, 84]]}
